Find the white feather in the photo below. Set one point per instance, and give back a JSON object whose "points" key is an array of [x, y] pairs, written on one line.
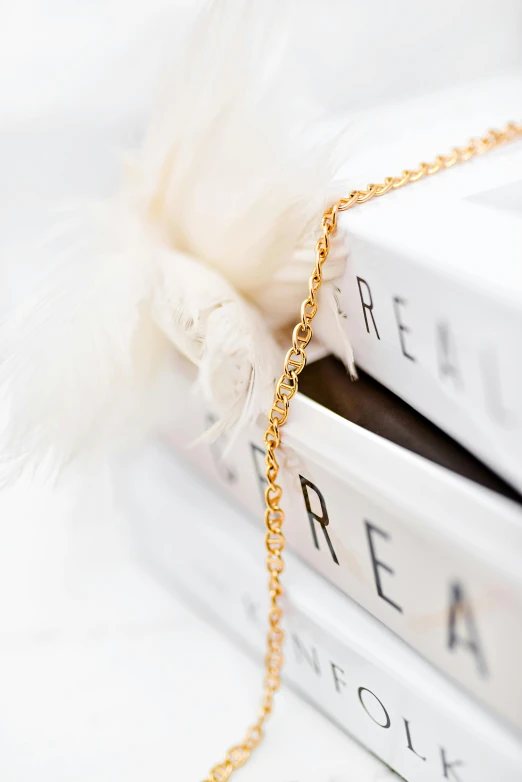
{"points": [[207, 248]]}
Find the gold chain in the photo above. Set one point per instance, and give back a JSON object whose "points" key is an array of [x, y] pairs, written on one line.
{"points": [[286, 387]]}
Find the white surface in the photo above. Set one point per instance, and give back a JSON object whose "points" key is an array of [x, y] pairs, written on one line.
{"points": [[105, 676]]}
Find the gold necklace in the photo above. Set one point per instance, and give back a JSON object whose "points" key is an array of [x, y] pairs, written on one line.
{"points": [[285, 389]]}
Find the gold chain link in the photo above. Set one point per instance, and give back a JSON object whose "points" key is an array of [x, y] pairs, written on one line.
{"points": [[286, 387]]}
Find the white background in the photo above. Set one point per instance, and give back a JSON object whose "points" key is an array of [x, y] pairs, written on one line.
{"points": [[103, 676]]}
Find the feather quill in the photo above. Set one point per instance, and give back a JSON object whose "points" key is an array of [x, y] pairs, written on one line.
{"points": [[206, 249]]}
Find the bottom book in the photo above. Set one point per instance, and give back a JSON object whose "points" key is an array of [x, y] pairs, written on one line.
{"points": [[345, 662]]}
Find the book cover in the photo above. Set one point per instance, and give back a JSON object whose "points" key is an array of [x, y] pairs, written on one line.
{"points": [[431, 297], [352, 668], [433, 555]]}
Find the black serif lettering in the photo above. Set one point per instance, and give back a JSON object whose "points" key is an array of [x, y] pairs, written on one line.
{"points": [[386, 722], [398, 302], [338, 681], [302, 653], [408, 737], [367, 304], [460, 609], [377, 563], [449, 767], [447, 355], [313, 518]]}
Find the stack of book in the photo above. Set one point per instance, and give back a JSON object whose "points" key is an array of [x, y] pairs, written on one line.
{"points": [[402, 491]]}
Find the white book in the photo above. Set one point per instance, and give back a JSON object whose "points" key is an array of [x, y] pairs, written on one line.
{"points": [[435, 557], [352, 668], [431, 298]]}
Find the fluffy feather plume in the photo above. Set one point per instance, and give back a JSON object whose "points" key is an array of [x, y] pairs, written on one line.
{"points": [[206, 248]]}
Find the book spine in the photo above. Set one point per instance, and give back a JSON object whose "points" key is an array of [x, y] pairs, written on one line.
{"points": [[441, 589], [425, 731], [445, 345]]}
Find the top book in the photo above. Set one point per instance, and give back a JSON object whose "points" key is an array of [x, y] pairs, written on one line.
{"points": [[431, 298]]}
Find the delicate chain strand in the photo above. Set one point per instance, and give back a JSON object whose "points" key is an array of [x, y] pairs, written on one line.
{"points": [[286, 387]]}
